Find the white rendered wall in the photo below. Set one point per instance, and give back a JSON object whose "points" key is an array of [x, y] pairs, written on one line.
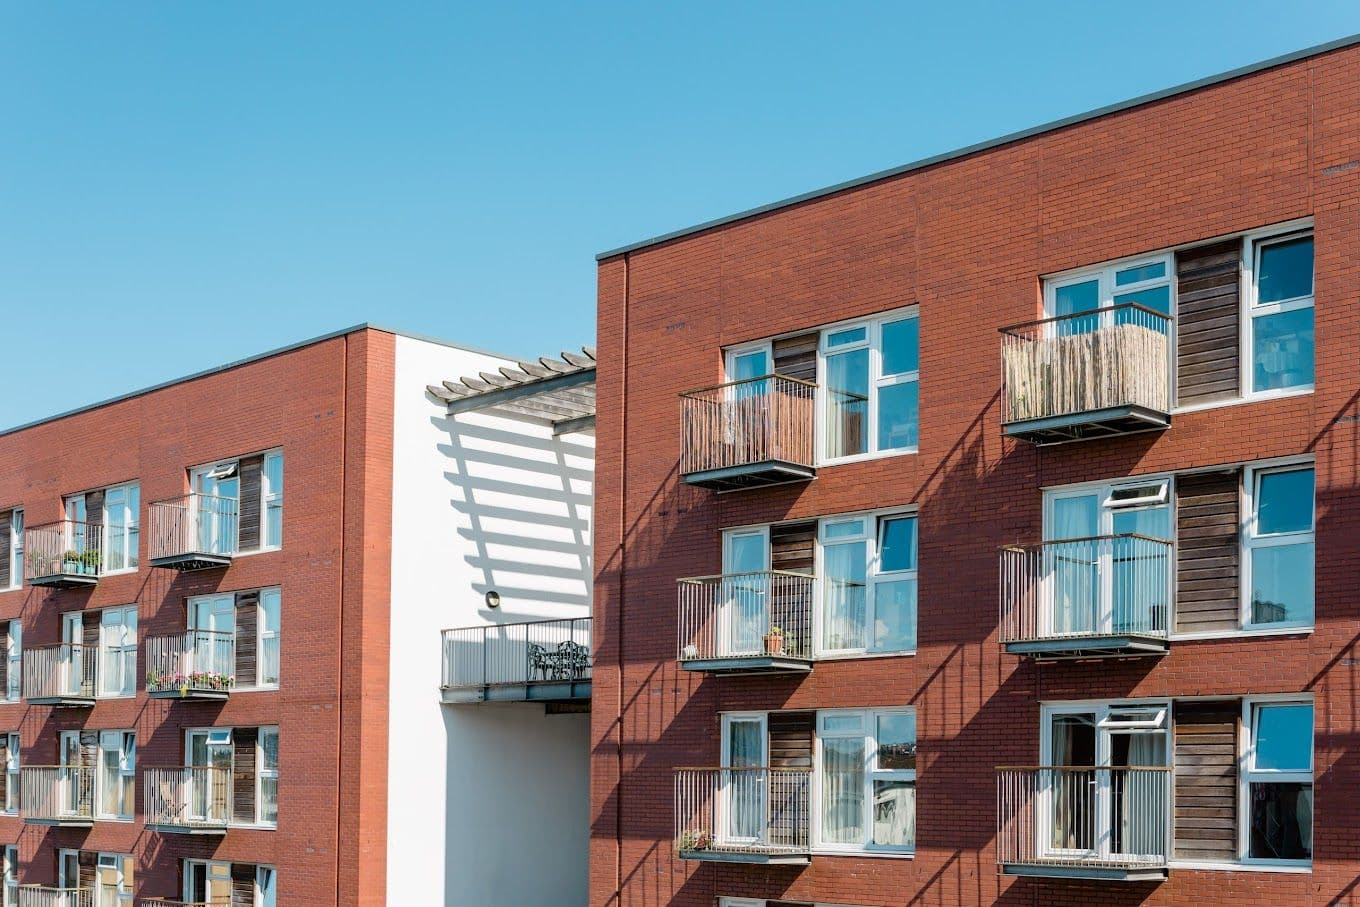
{"points": [[488, 804]]}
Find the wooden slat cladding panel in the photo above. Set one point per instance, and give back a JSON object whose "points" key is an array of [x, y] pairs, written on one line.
{"points": [[242, 885], [1208, 559], [4, 664], [793, 546], [249, 519], [243, 743], [247, 635], [1205, 759], [790, 747], [5, 541], [796, 357], [1207, 305], [89, 627]]}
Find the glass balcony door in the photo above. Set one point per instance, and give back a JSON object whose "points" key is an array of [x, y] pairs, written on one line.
{"points": [[744, 611], [214, 525], [743, 788]]}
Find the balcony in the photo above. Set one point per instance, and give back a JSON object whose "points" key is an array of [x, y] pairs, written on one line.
{"points": [[538, 661], [1079, 822], [748, 433], [1103, 597], [61, 675], [64, 554], [198, 664], [224, 901], [746, 622], [1090, 375], [57, 794], [188, 800], [43, 896], [743, 815], [193, 531]]}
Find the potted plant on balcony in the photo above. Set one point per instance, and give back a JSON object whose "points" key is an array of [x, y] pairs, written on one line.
{"points": [[89, 562], [774, 641], [70, 561], [695, 840]]}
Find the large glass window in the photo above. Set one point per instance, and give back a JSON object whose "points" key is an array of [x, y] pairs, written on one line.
{"points": [[271, 489], [118, 651], [14, 658], [1279, 781], [869, 584], [117, 773], [269, 776], [121, 506], [1281, 334], [1279, 542], [269, 638], [1145, 283], [12, 757], [16, 549], [867, 778], [870, 376]]}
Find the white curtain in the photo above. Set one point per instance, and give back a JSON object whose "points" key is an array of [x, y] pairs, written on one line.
{"points": [[843, 790], [745, 789], [843, 621], [1142, 797], [1073, 566]]}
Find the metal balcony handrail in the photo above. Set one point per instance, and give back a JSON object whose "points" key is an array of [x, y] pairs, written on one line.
{"points": [[1028, 546], [740, 423], [191, 796], [713, 387], [1014, 330], [64, 547], [193, 659], [736, 615], [747, 809], [56, 791], [193, 523], [62, 669], [715, 576], [537, 651], [1081, 768]]}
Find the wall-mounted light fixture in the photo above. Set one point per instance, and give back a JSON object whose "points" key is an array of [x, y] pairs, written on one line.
{"points": [[493, 599]]}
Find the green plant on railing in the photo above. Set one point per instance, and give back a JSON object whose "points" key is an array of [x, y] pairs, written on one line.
{"points": [[696, 840]]}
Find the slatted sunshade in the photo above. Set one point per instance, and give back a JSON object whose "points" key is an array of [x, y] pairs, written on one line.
{"points": [[560, 391]]}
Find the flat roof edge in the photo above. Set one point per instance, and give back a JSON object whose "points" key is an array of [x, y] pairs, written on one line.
{"points": [[238, 363], [987, 145]]}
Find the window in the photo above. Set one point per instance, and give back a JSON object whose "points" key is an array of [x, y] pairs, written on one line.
{"points": [[266, 886], [268, 667], [1278, 559], [1280, 334], [121, 506], [271, 491], [118, 651], [870, 383], [14, 659], [1277, 783], [269, 776], [207, 882], [869, 586], [867, 780], [12, 756], [117, 773], [1145, 282], [11, 875], [113, 874], [217, 514], [16, 549]]}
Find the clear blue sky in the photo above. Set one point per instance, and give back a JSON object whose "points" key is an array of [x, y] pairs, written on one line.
{"points": [[186, 183]]}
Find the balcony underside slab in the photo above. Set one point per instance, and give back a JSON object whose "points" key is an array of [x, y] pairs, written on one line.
{"points": [[61, 821], [192, 560], [1105, 872], [751, 664], [751, 475], [537, 691], [192, 695], [178, 829], [1099, 423], [780, 858], [64, 580], [1114, 646], [62, 702]]}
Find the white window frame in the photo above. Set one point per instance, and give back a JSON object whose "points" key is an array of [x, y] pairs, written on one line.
{"points": [[213, 870], [262, 773], [262, 633], [269, 497], [127, 771], [131, 529], [13, 762], [868, 731], [105, 650], [873, 341], [64, 880], [1249, 775], [265, 898], [1250, 541], [1104, 274], [14, 660], [9, 875], [16, 548], [732, 353], [870, 534], [1250, 310]]}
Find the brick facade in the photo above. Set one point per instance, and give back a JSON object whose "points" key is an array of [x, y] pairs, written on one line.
{"points": [[328, 405], [966, 240]]}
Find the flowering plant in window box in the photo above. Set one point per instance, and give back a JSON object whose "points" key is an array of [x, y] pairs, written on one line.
{"points": [[158, 681]]}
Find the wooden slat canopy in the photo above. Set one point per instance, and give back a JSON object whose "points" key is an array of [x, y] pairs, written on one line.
{"points": [[560, 391]]}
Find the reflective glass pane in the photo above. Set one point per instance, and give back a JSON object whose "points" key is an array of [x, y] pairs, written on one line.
{"points": [[749, 365], [898, 416], [1284, 738], [1282, 350], [1286, 270], [895, 615], [846, 337], [1156, 298], [897, 741], [1282, 584], [847, 403], [1076, 297], [843, 790], [843, 529], [1281, 821], [900, 344], [897, 544], [895, 813], [1284, 502], [1139, 273]]}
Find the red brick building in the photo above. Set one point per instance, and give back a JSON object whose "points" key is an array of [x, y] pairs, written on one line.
{"points": [[1003, 553]]}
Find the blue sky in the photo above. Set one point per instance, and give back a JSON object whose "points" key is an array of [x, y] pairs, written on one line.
{"points": [[183, 184]]}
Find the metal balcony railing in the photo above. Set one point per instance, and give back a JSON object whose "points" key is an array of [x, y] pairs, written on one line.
{"points": [[1083, 817], [165, 902], [1086, 588], [193, 527], [66, 552], [1112, 364], [745, 615], [194, 663], [59, 673], [723, 813], [760, 424], [519, 654], [43, 896], [57, 793], [197, 798]]}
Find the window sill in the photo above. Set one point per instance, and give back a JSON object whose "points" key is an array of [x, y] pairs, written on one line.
{"points": [[252, 826], [866, 854], [1244, 633], [851, 656], [255, 689], [120, 820], [254, 551], [124, 571], [1294, 868], [864, 457], [1243, 400]]}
